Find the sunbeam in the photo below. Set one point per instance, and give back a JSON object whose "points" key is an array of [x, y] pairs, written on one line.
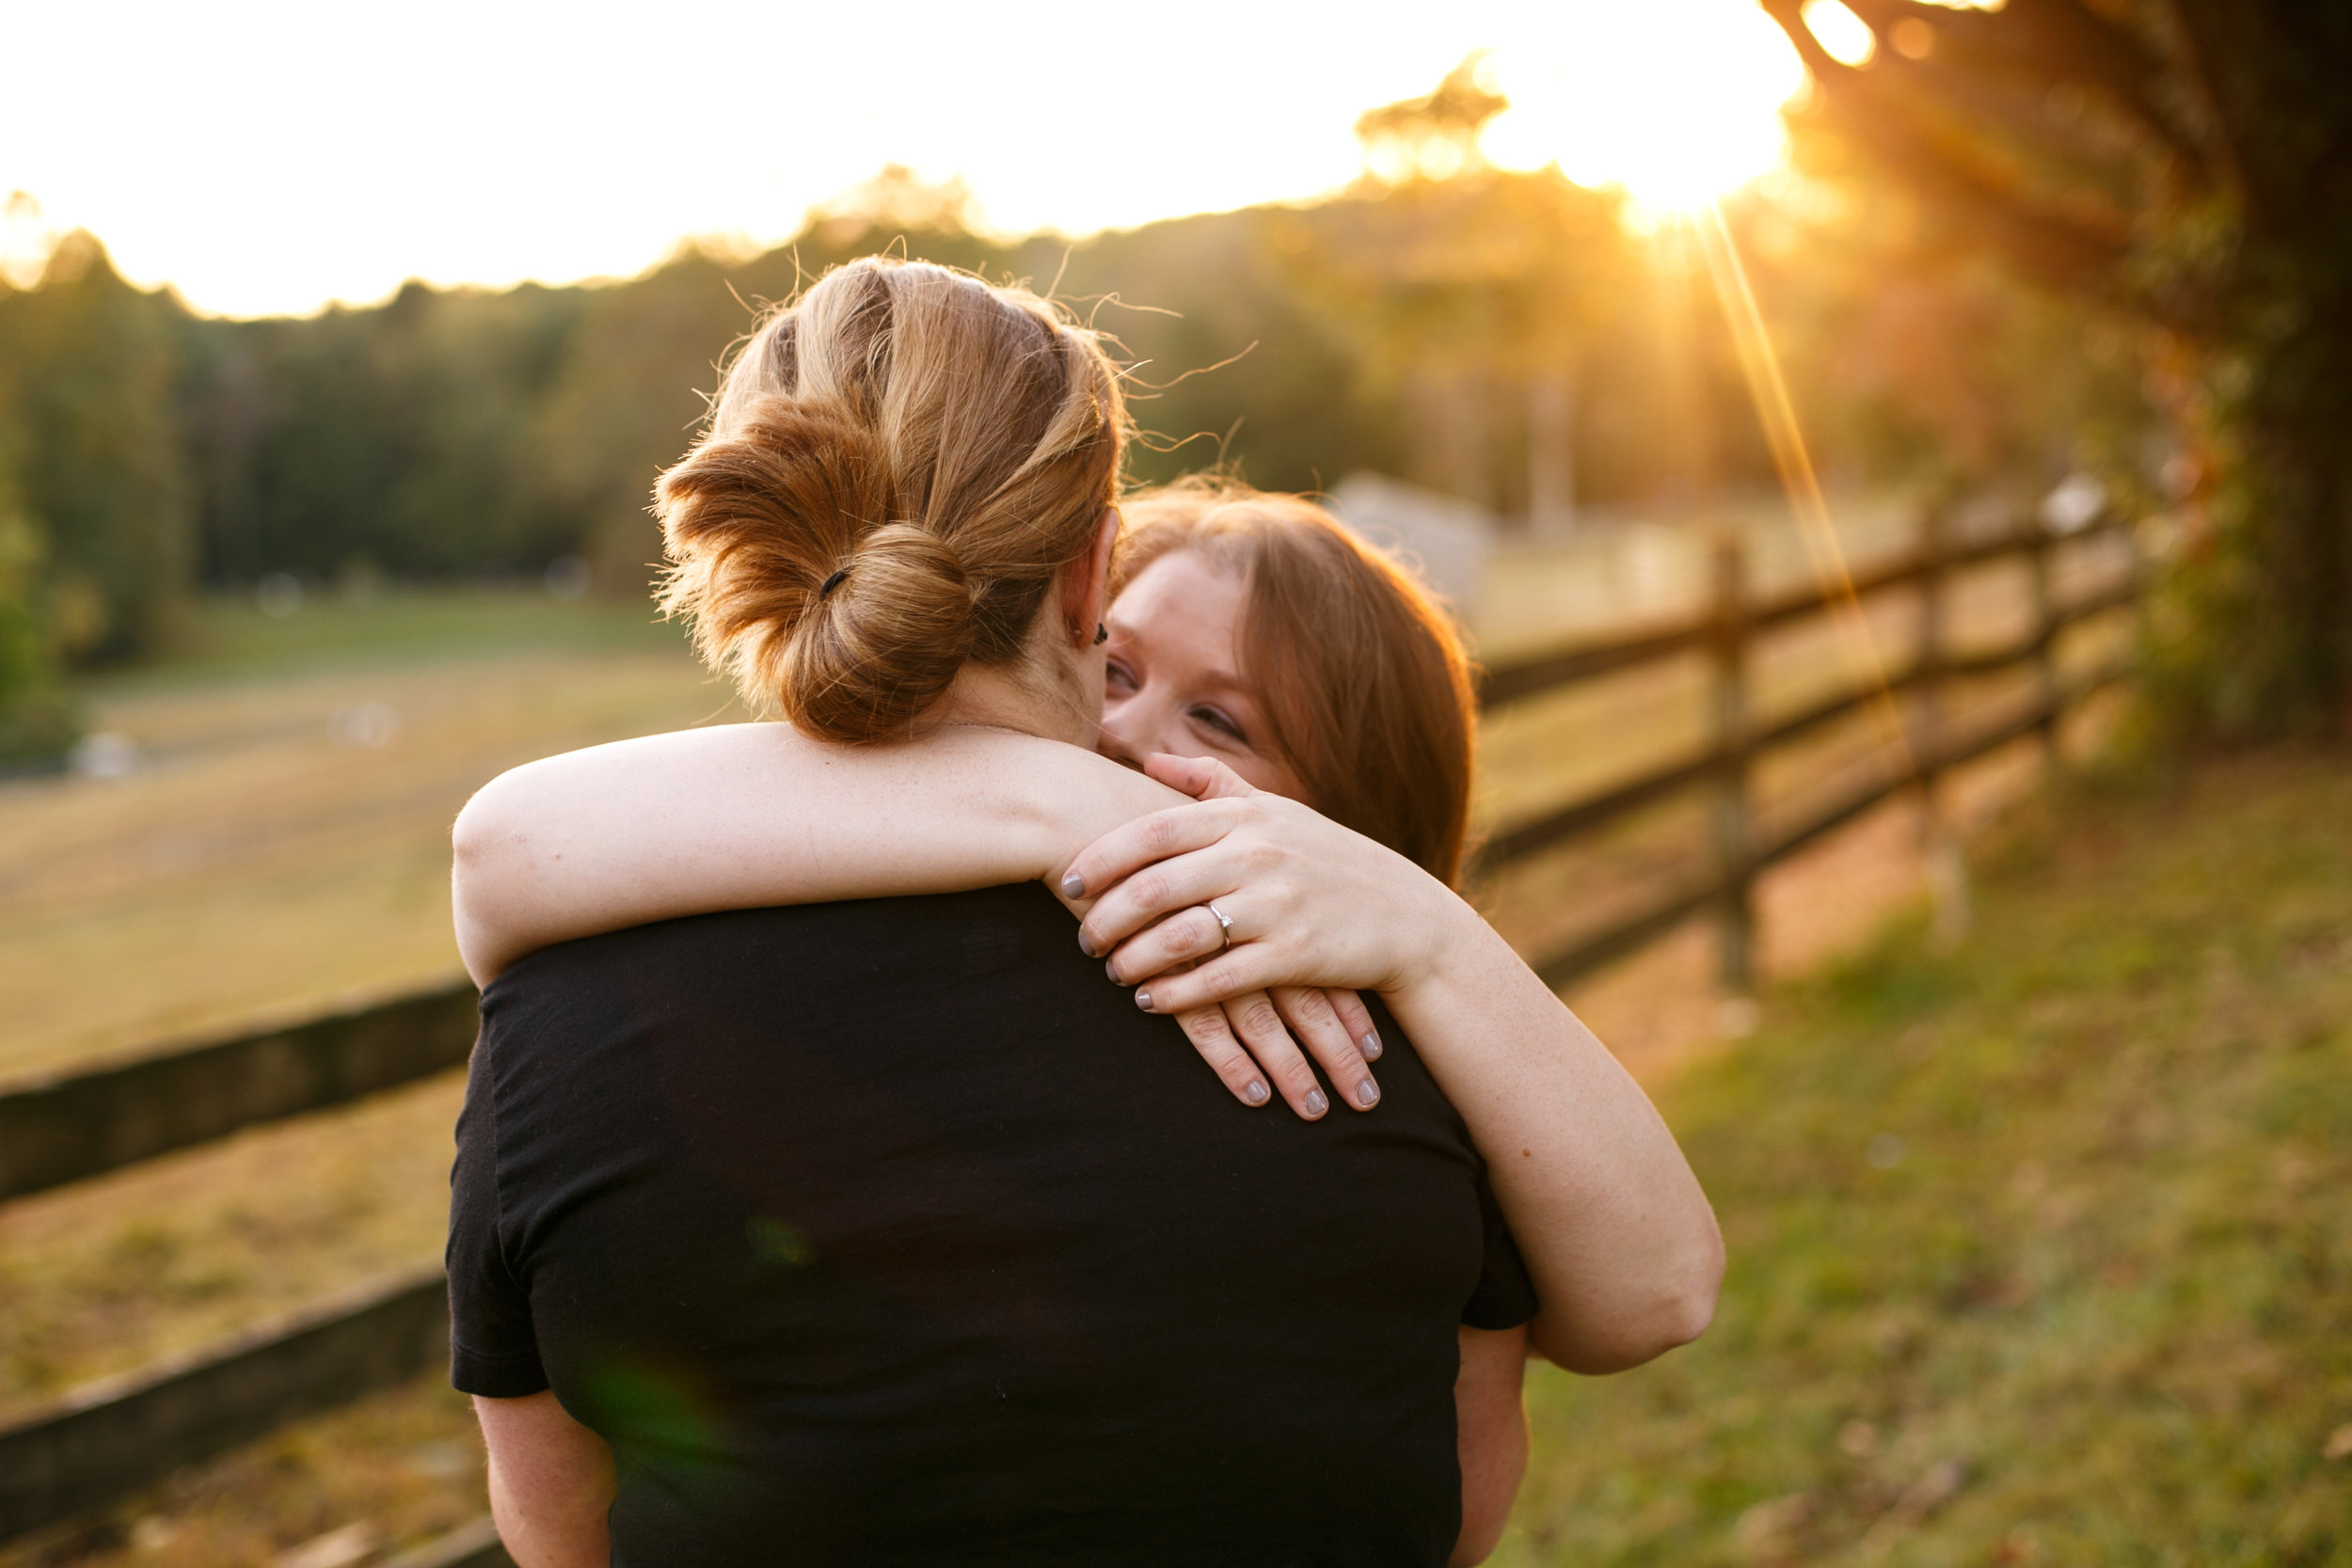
{"points": [[1776, 412]]}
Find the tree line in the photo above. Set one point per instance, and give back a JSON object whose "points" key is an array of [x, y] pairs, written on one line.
{"points": [[1496, 335]]}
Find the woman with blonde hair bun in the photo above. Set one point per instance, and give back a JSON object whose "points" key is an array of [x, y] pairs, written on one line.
{"points": [[816, 1197], [861, 523]]}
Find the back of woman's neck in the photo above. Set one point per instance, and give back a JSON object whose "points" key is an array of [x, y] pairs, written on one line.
{"points": [[1020, 698]]}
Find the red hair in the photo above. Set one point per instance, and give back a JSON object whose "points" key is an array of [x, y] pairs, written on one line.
{"points": [[1354, 665]]}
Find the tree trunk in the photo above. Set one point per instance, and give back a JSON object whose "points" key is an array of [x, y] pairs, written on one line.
{"points": [[2267, 587], [1551, 448]]}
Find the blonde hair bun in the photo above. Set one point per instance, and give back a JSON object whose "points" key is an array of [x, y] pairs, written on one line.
{"points": [[933, 447], [885, 644]]}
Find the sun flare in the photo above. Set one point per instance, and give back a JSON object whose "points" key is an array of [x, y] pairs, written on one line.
{"points": [[406, 166], [1675, 101]]}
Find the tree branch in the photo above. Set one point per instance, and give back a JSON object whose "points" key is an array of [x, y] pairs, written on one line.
{"points": [[2069, 246]]}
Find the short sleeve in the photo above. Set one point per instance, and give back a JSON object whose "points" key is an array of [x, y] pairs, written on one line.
{"points": [[492, 1348], [1505, 1297]]}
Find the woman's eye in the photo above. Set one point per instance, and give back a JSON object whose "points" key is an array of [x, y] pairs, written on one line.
{"points": [[1118, 676], [1212, 719]]}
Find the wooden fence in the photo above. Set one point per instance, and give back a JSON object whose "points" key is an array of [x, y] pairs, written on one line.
{"points": [[1935, 737], [104, 1440]]}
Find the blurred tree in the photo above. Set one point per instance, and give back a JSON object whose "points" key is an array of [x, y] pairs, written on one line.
{"points": [[1470, 300], [1202, 293], [1234, 363], [643, 356], [101, 481], [37, 718], [623, 406], [1476, 294], [1433, 136], [397, 437], [1922, 364], [1489, 333], [2185, 165]]}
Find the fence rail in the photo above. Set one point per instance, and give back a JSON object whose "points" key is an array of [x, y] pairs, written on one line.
{"points": [[1531, 674], [1597, 811], [107, 1439], [1671, 903], [119, 1433], [1725, 632], [75, 1125]]}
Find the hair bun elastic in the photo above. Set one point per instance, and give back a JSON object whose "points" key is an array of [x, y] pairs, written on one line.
{"points": [[833, 583]]}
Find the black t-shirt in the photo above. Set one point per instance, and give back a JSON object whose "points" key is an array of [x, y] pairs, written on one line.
{"points": [[892, 1233]]}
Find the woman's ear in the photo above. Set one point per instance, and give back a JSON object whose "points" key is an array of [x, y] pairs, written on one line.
{"points": [[1087, 581]]}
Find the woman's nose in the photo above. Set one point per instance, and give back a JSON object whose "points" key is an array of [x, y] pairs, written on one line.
{"points": [[1129, 735]]}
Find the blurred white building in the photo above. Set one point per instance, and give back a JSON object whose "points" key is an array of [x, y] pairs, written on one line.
{"points": [[1445, 540]]}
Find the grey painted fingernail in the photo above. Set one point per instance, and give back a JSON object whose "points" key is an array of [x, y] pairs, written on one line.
{"points": [[1316, 1104], [1367, 1094], [1085, 943], [1143, 999], [1255, 1092], [1110, 968], [1371, 1046], [1073, 886]]}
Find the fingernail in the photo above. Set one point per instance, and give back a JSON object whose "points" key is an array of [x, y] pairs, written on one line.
{"points": [[1316, 1104], [1109, 968], [1143, 999], [1371, 1046], [1073, 886], [1085, 943], [1254, 1092], [1367, 1094]]}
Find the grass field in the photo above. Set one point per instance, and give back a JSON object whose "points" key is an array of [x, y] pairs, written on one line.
{"points": [[2039, 1251], [283, 840]]}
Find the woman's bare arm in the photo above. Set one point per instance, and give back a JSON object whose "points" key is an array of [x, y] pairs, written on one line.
{"points": [[1618, 1234], [1490, 1436], [550, 1482], [751, 816]]}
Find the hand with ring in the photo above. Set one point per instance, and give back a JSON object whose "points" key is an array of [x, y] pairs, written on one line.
{"points": [[1222, 912], [1252, 1038]]}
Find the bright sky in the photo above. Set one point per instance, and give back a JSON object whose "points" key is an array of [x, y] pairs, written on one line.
{"points": [[270, 157]]}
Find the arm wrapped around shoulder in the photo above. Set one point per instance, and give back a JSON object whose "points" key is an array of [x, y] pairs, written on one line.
{"points": [[794, 494]]}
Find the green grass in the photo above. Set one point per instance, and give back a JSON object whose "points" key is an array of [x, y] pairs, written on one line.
{"points": [[227, 636], [2095, 1307]]}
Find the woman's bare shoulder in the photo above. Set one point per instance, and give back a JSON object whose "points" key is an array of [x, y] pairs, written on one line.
{"points": [[760, 758], [684, 748]]}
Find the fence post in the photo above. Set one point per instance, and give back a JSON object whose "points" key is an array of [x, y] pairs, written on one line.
{"points": [[2044, 634], [1947, 874], [1927, 698], [1728, 655]]}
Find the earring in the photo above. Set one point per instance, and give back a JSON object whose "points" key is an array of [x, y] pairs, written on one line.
{"points": [[1102, 634]]}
